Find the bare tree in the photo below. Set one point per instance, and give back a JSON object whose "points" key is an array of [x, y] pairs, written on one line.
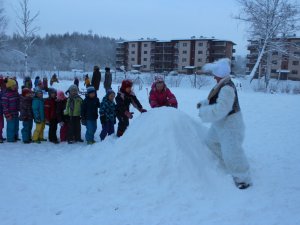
{"points": [[3, 24], [268, 20], [26, 28]]}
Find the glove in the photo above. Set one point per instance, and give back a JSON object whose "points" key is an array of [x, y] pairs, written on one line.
{"points": [[143, 110], [103, 119], [198, 105], [83, 122], [129, 114]]}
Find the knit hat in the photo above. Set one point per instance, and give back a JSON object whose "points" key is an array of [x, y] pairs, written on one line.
{"points": [[11, 83], [51, 91], [90, 89], [107, 69], [126, 83], [61, 95], [73, 87], [26, 91], [109, 92], [96, 68], [220, 68]]}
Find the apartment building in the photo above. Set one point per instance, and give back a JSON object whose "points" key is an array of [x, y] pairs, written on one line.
{"points": [[283, 65], [182, 55]]}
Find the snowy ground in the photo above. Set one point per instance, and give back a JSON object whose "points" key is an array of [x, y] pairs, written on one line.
{"points": [[159, 172]]}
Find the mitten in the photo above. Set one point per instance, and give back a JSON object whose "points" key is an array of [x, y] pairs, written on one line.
{"points": [[143, 110]]}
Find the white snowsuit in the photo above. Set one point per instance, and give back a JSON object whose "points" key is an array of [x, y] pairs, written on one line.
{"points": [[225, 137]]}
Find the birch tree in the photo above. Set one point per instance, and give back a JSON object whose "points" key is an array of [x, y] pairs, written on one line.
{"points": [[267, 20], [3, 24], [26, 28]]}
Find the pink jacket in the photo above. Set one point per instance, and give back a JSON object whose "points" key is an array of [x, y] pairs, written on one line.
{"points": [[163, 98]]}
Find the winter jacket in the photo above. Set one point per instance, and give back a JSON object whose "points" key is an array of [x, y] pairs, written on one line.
{"points": [[11, 103], [53, 80], [124, 100], [108, 109], [38, 108], [36, 82], [50, 109], [60, 108], [89, 108], [87, 82], [26, 108], [96, 79], [73, 107], [108, 80], [163, 98], [227, 130]]}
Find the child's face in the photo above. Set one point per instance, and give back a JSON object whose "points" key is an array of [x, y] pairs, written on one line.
{"points": [[28, 94], [92, 95], [128, 90], [53, 95], [111, 97], [160, 86], [73, 92]]}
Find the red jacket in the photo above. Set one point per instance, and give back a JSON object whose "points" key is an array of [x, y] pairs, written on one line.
{"points": [[50, 109], [163, 98]]}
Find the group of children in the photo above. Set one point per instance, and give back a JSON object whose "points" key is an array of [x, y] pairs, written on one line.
{"points": [[70, 112]]}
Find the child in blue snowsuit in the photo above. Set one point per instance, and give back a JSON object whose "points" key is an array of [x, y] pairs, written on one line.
{"points": [[108, 114]]}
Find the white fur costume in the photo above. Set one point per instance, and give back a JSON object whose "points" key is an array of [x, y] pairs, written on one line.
{"points": [[226, 134]]}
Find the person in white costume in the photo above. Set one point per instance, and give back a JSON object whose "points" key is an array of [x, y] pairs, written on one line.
{"points": [[226, 134]]}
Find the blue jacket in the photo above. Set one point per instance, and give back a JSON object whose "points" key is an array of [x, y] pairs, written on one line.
{"points": [[38, 109], [108, 108]]}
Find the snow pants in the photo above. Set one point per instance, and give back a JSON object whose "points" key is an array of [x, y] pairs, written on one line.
{"points": [[108, 128], [63, 132], [39, 132], [26, 130], [74, 129], [91, 127], [123, 124], [12, 129], [53, 130], [226, 144]]}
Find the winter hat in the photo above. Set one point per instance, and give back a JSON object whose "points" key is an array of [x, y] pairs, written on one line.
{"points": [[26, 91], [51, 91], [107, 69], [126, 83], [109, 92], [96, 68], [11, 83], [73, 87], [220, 68], [90, 89], [61, 95]]}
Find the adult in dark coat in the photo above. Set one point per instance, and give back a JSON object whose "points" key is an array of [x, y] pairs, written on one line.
{"points": [[96, 79], [108, 79]]}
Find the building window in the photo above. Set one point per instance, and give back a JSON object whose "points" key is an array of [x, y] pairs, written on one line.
{"points": [[145, 59], [295, 63], [183, 59], [145, 45], [273, 71], [274, 62], [145, 52], [200, 52], [294, 71], [275, 53], [200, 44], [184, 52], [145, 66], [199, 60], [132, 59], [183, 67], [132, 52], [297, 53], [184, 44], [133, 45]]}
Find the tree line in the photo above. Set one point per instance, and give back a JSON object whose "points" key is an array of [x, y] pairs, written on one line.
{"points": [[58, 52]]}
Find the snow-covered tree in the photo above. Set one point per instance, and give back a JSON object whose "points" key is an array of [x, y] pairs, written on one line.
{"points": [[269, 22], [26, 28], [3, 24]]}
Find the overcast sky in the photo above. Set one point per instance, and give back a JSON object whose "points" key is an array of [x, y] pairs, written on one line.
{"points": [[132, 19]]}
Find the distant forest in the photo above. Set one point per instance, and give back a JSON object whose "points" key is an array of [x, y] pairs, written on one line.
{"points": [[59, 52]]}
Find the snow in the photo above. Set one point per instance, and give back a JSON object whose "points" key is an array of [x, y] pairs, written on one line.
{"points": [[159, 172]]}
